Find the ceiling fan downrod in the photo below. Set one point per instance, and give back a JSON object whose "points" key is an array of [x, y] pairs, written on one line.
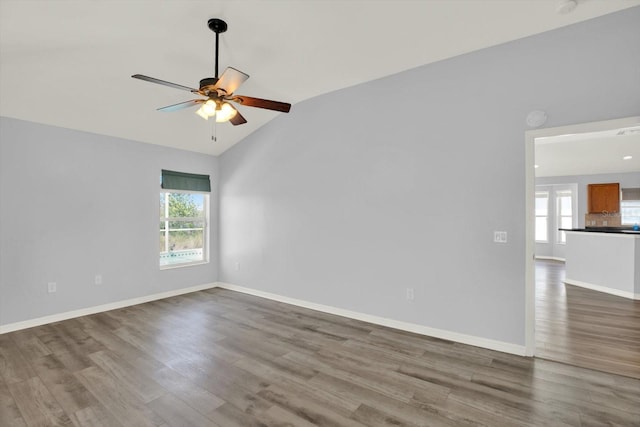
{"points": [[217, 26]]}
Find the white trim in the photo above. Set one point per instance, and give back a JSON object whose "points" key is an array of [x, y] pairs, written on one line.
{"points": [[529, 160], [552, 258], [206, 230], [600, 288], [10, 327], [530, 246], [396, 324], [183, 264]]}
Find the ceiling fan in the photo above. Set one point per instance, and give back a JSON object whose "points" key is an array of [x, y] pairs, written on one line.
{"points": [[218, 91]]}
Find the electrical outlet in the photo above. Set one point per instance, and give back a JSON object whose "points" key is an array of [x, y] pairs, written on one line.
{"points": [[237, 265], [410, 294], [52, 287], [98, 280], [500, 237]]}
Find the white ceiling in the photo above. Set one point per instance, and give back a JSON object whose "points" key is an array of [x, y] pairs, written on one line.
{"points": [[589, 153], [68, 62]]}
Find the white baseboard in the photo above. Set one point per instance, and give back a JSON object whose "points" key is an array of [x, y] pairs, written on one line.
{"points": [[10, 327], [377, 320], [599, 288], [552, 258], [395, 324]]}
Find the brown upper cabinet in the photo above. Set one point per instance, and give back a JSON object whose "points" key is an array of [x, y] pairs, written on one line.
{"points": [[603, 198]]}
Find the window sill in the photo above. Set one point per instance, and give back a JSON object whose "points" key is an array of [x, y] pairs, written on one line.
{"points": [[181, 265]]}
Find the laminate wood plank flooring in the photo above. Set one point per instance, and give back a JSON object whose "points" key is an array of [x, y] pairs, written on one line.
{"points": [[221, 358], [583, 327]]}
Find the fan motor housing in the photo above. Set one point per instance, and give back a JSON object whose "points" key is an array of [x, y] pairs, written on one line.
{"points": [[208, 84]]}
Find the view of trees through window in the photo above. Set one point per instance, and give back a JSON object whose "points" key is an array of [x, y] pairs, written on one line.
{"points": [[183, 221]]}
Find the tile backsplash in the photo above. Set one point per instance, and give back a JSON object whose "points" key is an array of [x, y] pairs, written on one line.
{"points": [[603, 220]]}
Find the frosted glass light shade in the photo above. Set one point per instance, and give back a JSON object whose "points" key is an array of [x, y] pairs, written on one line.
{"points": [[225, 113], [208, 109]]}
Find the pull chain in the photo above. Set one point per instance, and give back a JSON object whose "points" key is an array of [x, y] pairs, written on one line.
{"points": [[214, 130]]}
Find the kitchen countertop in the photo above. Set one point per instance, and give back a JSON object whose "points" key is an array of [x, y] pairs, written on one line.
{"points": [[615, 230]]}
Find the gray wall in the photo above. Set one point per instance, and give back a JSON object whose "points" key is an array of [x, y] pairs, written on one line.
{"points": [[626, 180], [74, 204], [400, 182]]}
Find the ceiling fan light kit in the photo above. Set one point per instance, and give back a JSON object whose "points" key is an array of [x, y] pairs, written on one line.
{"points": [[223, 111], [218, 91]]}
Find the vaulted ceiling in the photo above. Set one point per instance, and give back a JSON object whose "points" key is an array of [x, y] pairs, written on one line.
{"points": [[68, 63]]}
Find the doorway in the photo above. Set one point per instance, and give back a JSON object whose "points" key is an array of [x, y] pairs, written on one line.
{"points": [[551, 268]]}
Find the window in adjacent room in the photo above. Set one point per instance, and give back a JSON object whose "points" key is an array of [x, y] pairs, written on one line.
{"points": [[542, 216], [184, 219], [630, 206], [564, 212]]}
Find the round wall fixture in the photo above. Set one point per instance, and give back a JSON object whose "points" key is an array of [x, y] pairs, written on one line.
{"points": [[536, 118], [566, 6]]}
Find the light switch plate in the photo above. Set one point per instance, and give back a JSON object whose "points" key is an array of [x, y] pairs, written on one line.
{"points": [[410, 294], [500, 237]]}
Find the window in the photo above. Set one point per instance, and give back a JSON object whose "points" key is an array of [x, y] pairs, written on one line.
{"points": [[183, 228], [184, 219], [564, 212], [542, 216], [630, 206]]}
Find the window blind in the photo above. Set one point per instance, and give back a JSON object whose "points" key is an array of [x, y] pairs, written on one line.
{"points": [[172, 180], [631, 194]]}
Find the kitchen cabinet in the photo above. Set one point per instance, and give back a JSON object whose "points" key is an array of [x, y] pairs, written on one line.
{"points": [[603, 198]]}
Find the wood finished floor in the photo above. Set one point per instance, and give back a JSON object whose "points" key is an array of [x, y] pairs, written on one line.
{"points": [[584, 327], [220, 358]]}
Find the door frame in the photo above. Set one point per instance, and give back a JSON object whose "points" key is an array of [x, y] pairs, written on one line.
{"points": [[530, 186]]}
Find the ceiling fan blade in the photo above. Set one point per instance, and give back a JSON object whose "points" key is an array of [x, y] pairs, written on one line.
{"points": [[181, 105], [262, 103], [237, 119], [231, 79], [164, 83]]}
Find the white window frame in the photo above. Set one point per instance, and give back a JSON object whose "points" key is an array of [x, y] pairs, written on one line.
{"points": [[630, 201], [166, 219], [561, 236], [542, 194], [628, 205]]}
